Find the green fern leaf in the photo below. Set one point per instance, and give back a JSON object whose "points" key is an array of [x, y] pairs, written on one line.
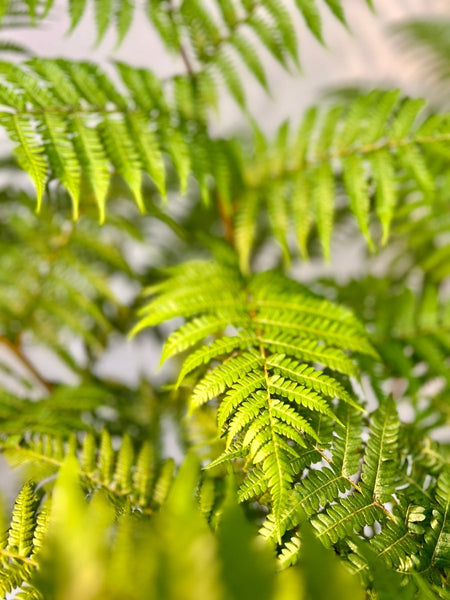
{"points": [[357, 189], [228, 71], [62, 157], [309, 11], [28, 151], [120, 149], [103, 17], [323, 200], [244, 230], [441, 524], [346, 518], [277, 211], [268, 34], [336, 8], [21, 532], [144, 474], [261, 411], [90, 151], [283, 24], [380, 462], [124, 17], [302, 213], [76, 10], [250, 57], [216, 381], [386, 194], [23, 541], [149, 152]]}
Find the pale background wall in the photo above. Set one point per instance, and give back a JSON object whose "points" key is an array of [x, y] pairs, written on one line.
{"points": [[367, 54]]}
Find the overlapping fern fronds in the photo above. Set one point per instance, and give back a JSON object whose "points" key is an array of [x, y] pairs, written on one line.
{"points": [[411, 333], [367, 152], [128, 474], [265, 370], [63, 283], [340, 504], [70, 122], [368, 491], [211, 37]]}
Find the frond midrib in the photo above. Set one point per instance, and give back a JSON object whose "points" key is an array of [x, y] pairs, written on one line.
{"points": [[274, 435], [91, 477], [327, 158], [18, 557]]}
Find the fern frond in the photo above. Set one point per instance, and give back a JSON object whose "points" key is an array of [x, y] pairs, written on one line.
{"points": [[128, 476], [22, 542], [28, 151], [342, 520], [379, 473], [63, 286], [378, 480], [372, 147], [321, 487], [341, 507], [205, 35], [266, 399], [69, 119], [404, 523]]}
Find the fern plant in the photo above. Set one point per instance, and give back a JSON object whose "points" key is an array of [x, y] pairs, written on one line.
{"points": [[296, 441]]}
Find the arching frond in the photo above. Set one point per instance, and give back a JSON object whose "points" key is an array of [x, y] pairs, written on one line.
{"points": [[128, 475], [367, 150], [63, 285], [71, 123], [267, 377]]}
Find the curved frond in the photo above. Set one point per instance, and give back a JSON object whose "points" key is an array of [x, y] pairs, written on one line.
{"points": [[63, 286], [71, 123], [128, 475], [367, 150], [268, 371]]}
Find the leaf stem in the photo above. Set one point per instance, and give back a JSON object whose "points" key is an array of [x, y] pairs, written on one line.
{"points": [[15, 348], [13, 556]]}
